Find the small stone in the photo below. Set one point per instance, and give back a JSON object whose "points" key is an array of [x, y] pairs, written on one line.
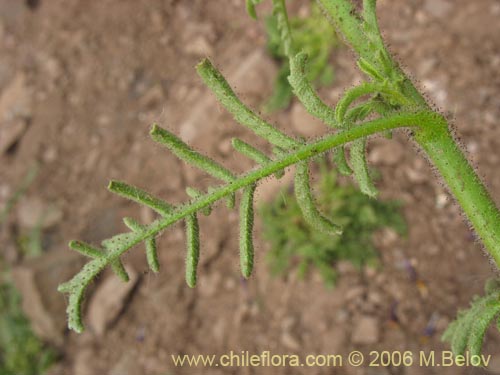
{"points": [[389, 237], [199, 46], [126, 365], [342, 316], [108, 301], [50, 155], [437, 91], [15, 100], [426, 66], [366, 331], [241, 314], [289, 341], [305, 124], [472, 147], [225, 146], [56, 369], [10, 133], [83, 364], [354, 293], [209, 286], [494, 365], [92, 159], [375, 298], [346, 267], [441, 200], [219, 330], [334, 339], [52, 67], [438, 8], [33, 212], [229, 283], [387, 153], [152, 97], [370, 272], [288, 322], [415, 176], [147, 215], [37, 280], [188, 131]]}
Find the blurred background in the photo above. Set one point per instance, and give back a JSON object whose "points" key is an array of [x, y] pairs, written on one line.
{"points": [[80, 84]]}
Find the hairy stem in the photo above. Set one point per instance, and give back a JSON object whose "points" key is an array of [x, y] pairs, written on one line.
{"points": [[464, 184]]}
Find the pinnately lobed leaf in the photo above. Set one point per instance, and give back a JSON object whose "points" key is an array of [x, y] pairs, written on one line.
{"points": [[254, 154], [193, 249], [184, 152], [121, 243], [242, 114], [279, 11], [340, 161], [360, 168], [304, 91], [250, 4], [250, 151], [85, 249], [389, 96], [306, 202], [152, 254], [140, 196], [246, 231]]}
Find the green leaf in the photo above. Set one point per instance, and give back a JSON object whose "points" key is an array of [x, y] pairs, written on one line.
{"points": [[306, 94], [152, 254], [117, 245], [140, 196], [468, 330], [360, 168], [341, 162], [242, 114], [119, 270], [250, 4], [306, 202], [186, 153], [193, 249], [86, 249], [246, 231], [279, 11]]}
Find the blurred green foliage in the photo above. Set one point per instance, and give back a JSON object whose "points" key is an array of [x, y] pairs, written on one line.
{"points": [[295, 244], [313, 35], [21, 352]]}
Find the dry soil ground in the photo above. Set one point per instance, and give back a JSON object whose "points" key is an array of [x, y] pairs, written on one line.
{"points": [[81, 82]]}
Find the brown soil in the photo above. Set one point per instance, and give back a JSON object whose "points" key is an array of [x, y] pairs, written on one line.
{"points": [[98, 73]]}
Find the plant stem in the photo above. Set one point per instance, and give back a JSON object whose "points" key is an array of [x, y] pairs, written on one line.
{"points": [[437, 142], [464, 184]]}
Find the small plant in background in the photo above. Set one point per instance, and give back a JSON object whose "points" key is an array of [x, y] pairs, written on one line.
{"points": [[315, 36], [21, 352], [18, 193], [385, 101], [467, 331], [294, 243]]}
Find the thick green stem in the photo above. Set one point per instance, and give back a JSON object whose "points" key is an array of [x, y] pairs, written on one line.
{"points": [[465, 185]]}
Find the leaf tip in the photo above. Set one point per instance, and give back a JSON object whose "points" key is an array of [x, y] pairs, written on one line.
{"points": [[64, 287], [203, 64], [112, 185], [155, 129]]}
